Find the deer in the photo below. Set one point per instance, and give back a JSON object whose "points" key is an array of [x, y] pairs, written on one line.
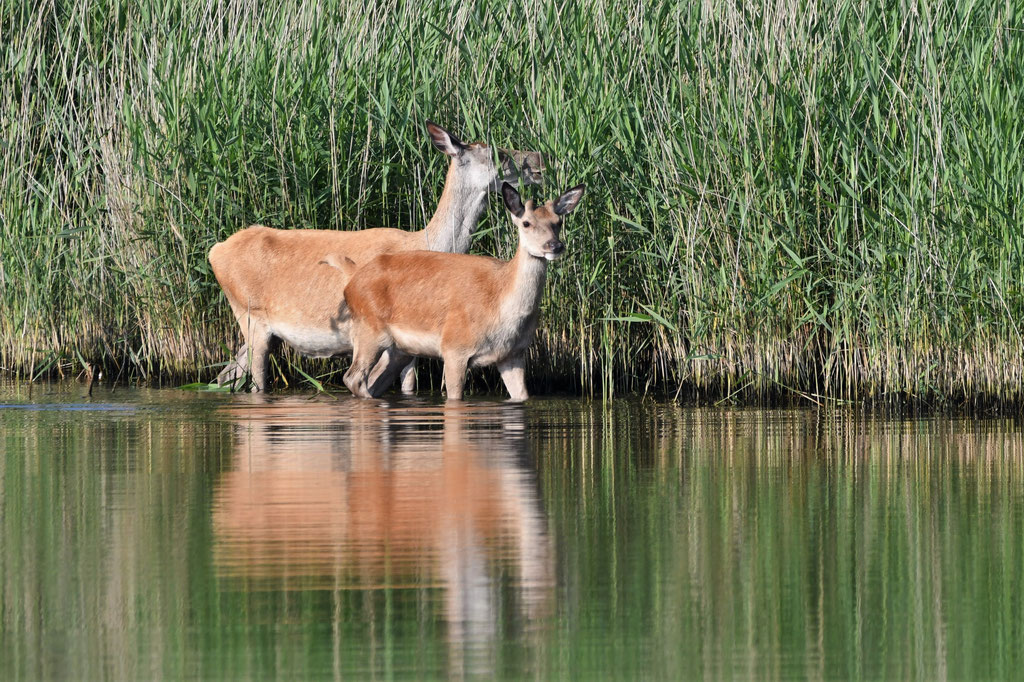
{"points": [[470, 311], [279, 290]]}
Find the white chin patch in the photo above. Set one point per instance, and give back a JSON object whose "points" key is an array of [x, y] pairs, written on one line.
{"points": [[552, 256]]}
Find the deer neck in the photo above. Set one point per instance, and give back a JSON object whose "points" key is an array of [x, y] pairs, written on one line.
{"points": [[451, 228], [525, 275]]}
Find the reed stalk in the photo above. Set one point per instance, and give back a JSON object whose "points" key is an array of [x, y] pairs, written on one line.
{"points": [[784, 199]]}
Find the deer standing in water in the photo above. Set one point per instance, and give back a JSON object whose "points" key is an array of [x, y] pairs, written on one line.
{"points": [[468, 310], [279, 289]]}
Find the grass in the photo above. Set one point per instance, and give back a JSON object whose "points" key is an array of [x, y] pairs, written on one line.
{"points": [[811, 199]]}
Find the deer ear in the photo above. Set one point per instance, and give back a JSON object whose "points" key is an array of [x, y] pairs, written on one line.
{"points": [[346, 265], [443, 140], [568, 201], [513, 202]]}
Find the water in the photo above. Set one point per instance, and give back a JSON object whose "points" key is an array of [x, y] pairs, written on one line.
{"points": [[150, 534]]}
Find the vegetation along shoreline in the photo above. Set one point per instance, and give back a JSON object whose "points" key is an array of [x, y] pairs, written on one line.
{"points": [[813, 206]]}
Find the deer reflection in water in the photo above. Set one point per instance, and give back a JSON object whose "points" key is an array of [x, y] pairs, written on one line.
{"points": [[362, 495]]}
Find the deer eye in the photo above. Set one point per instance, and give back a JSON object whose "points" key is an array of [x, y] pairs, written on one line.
{"points": [[526, 223]]}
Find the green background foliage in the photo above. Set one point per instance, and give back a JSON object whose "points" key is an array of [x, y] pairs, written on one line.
{"points": [[813, 198]]}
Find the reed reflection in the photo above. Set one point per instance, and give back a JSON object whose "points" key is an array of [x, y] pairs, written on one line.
{"points": [[366, 496]]}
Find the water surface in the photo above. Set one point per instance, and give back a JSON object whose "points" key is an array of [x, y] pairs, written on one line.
{"points": [[162, 533]]}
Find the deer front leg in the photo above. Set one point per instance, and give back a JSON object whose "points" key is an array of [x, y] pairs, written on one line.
{"points": [[455, 375], [356, 376], [386, 371], [513, 373], [409, 378], [366, 350]]}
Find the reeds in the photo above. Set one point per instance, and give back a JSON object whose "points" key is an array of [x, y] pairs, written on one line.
{"points": [[784, 199]]}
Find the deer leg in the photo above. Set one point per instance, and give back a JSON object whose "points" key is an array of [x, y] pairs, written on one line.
{"points": [[409, 378], [356, 376], [366, 350], [513, 373], [455, 375], [234, 372], [259, 347], [386, 371]]}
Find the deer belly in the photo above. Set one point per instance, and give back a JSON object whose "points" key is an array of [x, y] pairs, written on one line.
{"points": [[414, 342], [502, 343], [314, 342]]}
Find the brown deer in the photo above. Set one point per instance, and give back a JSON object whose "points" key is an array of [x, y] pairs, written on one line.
{"points": [[471, 311], [279, 289]]}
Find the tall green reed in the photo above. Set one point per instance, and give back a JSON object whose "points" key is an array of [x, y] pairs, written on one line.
{"points": [[817, 200]]}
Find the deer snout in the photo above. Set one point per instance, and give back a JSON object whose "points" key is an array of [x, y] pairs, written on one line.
{"points": [[528, 166], [553, 249]]}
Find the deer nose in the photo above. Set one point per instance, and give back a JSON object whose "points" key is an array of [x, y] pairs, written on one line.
{"points": [[554, 246]]}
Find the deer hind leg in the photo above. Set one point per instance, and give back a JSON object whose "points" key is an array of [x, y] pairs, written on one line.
{"points": [[513, 373], [259, 344], [235, 371], [252, 357]]}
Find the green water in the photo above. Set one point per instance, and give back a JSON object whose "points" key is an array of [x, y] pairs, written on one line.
{"points": [[161, 533]]}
